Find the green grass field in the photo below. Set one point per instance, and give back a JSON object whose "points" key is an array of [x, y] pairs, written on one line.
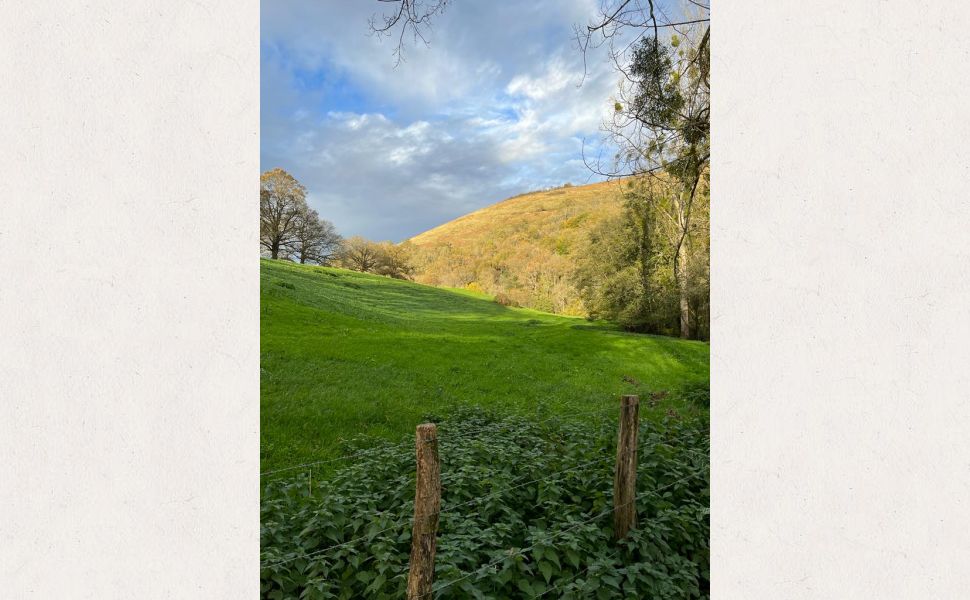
{"points": [[345, 354]]}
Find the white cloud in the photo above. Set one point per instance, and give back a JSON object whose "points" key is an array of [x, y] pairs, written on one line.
{"points": [[555, 79], [491, 109]]}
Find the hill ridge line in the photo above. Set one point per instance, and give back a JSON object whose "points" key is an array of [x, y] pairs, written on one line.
{"points": [[521, 196]]}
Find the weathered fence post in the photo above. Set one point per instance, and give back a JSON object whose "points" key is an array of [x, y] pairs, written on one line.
{"points": [[625, 477], [427, 505]]}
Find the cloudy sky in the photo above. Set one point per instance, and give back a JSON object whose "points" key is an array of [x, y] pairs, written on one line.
{"points": [[491, 109]]}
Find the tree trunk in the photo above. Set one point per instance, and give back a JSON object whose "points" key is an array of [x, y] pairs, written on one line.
{"points": [[684, 201], [645, 256], [682, 290], [275, 250]]}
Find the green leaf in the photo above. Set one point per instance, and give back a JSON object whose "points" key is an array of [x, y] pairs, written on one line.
{"points": [[573, 557]]}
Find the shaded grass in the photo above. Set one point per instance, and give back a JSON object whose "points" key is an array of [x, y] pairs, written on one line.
{"points": [[345, 354]]}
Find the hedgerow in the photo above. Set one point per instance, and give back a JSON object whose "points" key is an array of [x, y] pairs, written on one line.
{"points": [[525, 513]]}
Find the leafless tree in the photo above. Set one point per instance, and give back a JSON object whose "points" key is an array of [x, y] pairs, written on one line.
{"points": [[412, 17], [394, 260], [315, 240], [381, 258], [617, 19], [359, 254], [282, 199]]}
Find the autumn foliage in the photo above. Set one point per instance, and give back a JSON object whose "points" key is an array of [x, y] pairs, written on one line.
{"points": [[525, 248]]}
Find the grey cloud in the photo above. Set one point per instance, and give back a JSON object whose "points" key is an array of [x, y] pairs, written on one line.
{"points": [[491, 109]]}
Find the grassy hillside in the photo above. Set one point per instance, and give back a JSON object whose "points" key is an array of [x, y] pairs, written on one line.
{"points": [[346, 353], [525, 247]]}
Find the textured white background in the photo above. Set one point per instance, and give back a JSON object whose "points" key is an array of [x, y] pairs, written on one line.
{"points": [[129, 308], [840, 370], [129, 300]]}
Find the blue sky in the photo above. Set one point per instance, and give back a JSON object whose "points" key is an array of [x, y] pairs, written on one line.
{"points": [[491, 109]]}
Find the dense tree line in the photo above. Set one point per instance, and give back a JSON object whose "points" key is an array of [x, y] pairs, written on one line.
{"points": [[627, 274], [291, 230], [381, 258]]}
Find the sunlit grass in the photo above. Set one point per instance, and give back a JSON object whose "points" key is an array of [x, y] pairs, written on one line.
{"points": [[345, 353]]}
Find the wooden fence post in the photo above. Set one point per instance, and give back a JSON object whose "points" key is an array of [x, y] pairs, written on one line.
{"points": [[427, 505], [625, 477]]}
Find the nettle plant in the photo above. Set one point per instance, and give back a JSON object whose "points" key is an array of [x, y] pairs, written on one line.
{"points": [[525, 513]]}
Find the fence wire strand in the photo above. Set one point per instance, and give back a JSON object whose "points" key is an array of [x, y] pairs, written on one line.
{"points": [[518, 552], [408, 442], [450, 508], [477, 500], [329, 548], [463, 435], [574, 576]]}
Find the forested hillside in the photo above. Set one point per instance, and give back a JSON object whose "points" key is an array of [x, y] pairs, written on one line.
{"points": [[629, 250], [524, 248]]}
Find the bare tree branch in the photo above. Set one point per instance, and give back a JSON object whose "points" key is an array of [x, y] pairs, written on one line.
{"points": [[412, 16]]}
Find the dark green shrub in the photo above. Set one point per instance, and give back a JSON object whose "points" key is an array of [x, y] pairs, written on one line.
{"points": [[519, 496], [697, 393]]}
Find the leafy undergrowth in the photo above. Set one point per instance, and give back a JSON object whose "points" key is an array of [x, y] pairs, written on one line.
{"points": [[526, 513]]}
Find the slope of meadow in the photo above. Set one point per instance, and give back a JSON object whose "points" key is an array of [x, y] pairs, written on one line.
{"points": [[346, 353], [524, 247]]}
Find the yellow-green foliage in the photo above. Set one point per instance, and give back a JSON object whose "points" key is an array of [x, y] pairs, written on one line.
{"points": [[525, 248]]}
